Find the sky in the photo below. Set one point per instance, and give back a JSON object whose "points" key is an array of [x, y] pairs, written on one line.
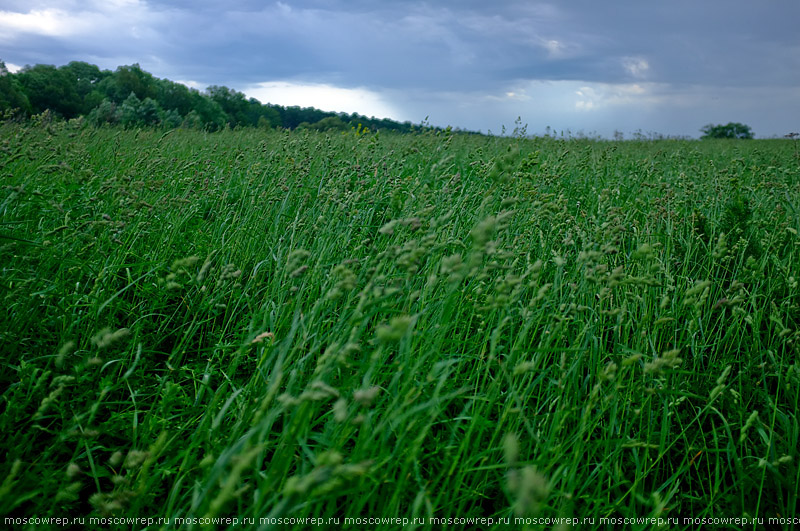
{"points": [[577, 66]]}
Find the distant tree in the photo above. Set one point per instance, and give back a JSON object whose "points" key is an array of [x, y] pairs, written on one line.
{"points": [[330, 123], [135, 112], [135, 98], [729, 130], [86, 75], [263, 123], [129, 111], [262, 116], [150, 112], [209, 111], [12, 95], [192, 120], [233, 103], [50, 88], [293, 116], [127, 79], [171, 119], [105, 113], [86, 79], [173, 96]]}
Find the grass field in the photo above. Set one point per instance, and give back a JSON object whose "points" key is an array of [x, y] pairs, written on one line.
{"points": [[293, 324]]}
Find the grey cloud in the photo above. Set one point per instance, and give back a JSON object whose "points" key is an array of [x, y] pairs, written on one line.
{"points": [[450, 45], [455, 50]]}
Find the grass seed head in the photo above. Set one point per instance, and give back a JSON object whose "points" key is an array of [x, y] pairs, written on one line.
{"points": [[48, 401], [530, 490], [203, 273], [452, 265], [483, 231], [299, 271], [262, 336], [65, 350], [388, 228], [721, 247], [230, 272], [667, 361], [511, 449], [70, 493], [751, 420], [720, 384], [288, 401], [609, 372], [135, 458], [73, 471], [345, 282], [644, 252], [394, 330], [185, 263], [319, 391], [106, 338], [296, 258], [523, 367], [116, 459], [365, 397], [340, 410]]}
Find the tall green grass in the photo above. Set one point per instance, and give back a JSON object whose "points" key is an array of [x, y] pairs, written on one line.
{"points": [[286, 324]]}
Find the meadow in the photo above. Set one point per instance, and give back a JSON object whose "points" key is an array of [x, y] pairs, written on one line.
{"points": [[290, 324]]}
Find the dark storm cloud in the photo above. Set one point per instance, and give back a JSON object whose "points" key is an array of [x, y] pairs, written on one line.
{"points": [[469, 52], [720, 43], [435, 45]]}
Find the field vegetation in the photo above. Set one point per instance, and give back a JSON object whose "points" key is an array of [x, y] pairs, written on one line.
{"points": [[267, 323]]}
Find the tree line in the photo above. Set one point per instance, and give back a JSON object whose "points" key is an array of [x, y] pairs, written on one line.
{"points": [[132, 97], [729, 130]]}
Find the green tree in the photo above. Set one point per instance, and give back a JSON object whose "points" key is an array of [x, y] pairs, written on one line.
{"points": [[127, 79], [105, 113], [209, 111], [262, 116], [129, 110], [173, 96], [171, 119], [264, 123], [330, 123], [12, 95], [50, 88], [729, 130], [150, 112], [192, 120], [86, 79], [233, 103], [136, 112]]}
